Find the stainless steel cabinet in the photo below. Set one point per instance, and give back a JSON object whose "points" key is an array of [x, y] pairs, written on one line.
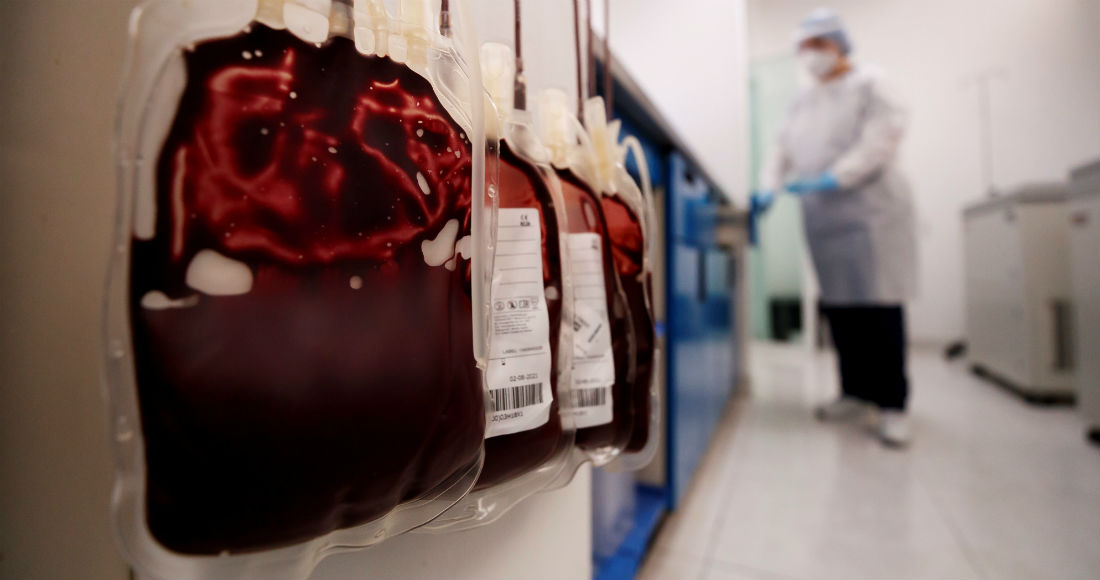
{"points": [[1084, 254], [1018, 290]]}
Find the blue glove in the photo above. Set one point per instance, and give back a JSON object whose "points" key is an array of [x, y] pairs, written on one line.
{"points": [[758, 204], [818, 184], [761, 201]]}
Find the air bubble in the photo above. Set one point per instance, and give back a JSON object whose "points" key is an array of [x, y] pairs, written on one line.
{"points": [[423, 183], [419, 132], [247, 55], [293, 95], [355, 282]]}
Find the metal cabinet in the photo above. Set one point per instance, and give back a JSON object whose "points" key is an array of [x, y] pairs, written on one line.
{"points": [[1017, 291], [697, 298], [1084, 259], [701, 361]]}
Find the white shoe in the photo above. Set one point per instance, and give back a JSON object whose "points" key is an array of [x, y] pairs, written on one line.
{"points": [[841, 409], [893, 428]]}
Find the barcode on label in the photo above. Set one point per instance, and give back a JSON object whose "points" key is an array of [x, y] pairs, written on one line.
{"points": [[594, 397], [515, 397]]}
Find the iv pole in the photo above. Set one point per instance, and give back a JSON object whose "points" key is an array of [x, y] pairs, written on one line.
{"points": [[983, 81]]}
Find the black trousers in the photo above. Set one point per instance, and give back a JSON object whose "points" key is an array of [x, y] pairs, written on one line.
{"points": [[870, 345]]}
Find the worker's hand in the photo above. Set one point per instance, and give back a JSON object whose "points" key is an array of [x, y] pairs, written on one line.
{"points": [[818, 184], [761, 201]]}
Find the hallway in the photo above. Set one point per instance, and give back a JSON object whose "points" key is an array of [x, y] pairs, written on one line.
{"points": [[990, 488]]}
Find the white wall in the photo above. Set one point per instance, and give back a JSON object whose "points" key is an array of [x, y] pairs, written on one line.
{"points": [[60, 61], [1045, 108], [548, 51], [689, 56]]}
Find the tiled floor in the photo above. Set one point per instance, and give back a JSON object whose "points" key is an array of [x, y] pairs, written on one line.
{"points": [[990, 488]]}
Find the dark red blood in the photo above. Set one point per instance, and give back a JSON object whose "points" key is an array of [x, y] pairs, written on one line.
{"points": [[508, 456], [627, 248], [305, 405], [585, 215]]}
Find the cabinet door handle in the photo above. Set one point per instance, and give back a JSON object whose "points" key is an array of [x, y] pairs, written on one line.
{"points": [[1063, 352], [701, 295]]}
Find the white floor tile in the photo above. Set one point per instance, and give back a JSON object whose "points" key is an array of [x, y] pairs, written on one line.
{"points": [[665, 564], [991, 487], [724, 571], [692, 527]]}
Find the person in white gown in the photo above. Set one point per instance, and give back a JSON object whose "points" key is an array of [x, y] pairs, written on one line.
{"points": [[837, 152]]}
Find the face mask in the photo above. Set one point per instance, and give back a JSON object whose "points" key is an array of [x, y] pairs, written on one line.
{"points": [[818, 62]]}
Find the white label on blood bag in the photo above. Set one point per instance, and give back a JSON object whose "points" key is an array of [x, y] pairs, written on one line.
{"points": [[593, 362], [518, 377]]}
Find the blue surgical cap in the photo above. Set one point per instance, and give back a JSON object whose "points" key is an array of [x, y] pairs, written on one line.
{"points": [[824, 23]]}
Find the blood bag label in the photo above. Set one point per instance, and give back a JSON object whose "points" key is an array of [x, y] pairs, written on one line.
{"points": [[593, 362], [518, 377]]}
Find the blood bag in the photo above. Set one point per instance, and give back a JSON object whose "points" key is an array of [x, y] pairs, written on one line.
{"points": [[603, 364], [297, 300], [530, 354], [629, 213]]}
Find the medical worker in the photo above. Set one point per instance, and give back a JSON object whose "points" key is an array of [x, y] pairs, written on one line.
{"points": [[837, 152]]}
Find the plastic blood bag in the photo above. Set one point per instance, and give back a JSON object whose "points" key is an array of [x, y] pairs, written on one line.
{"points": [[627, 247], [602, 364], [602, 400], [629, 224], [528, 442], [301, 234], [522, 379], [300, 296]]}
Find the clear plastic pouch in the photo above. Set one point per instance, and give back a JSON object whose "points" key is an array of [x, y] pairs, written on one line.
{"points": [[604, 363], [628, 209], [528, 378], [297, 304]]}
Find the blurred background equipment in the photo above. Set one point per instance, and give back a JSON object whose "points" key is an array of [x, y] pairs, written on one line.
{"points": [[1017, 294], [1084, 240]]}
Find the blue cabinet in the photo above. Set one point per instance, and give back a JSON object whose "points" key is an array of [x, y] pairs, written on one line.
{"points": [[700, 281], [700, 342]]}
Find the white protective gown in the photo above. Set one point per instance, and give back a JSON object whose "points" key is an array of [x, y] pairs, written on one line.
{"points": [[861, 237]]}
